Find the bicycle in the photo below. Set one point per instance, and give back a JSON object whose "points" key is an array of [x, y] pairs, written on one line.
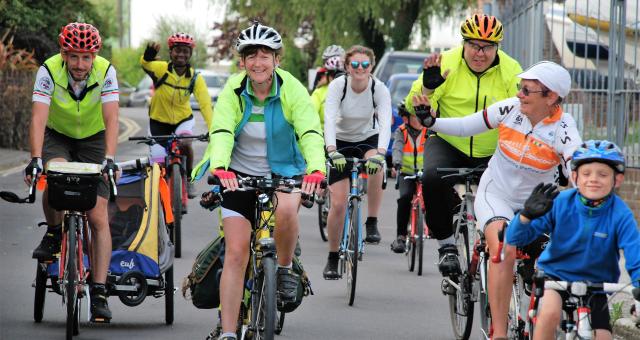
{"points": [[258, 317], [72, 189], [176, 176], [463, 288], [418, 230], [577, 313]]}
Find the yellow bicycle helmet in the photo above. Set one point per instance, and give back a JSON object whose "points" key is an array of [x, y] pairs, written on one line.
{"points": [[482, 27]]}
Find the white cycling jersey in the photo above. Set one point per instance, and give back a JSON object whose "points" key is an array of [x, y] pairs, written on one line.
{"points": [[526, 155]]}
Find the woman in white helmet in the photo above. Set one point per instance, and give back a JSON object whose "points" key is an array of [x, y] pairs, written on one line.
{"points": [[264, 125]]}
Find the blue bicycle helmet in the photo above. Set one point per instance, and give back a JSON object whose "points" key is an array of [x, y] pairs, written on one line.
{"points": [[601, 151]]}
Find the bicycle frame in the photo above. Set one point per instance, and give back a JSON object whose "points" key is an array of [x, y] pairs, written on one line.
{"points": [[354, 194]]}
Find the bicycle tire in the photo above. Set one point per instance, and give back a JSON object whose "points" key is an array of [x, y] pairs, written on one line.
{"points": [[280, 324], [420, 238], [515, 322], [168, 296], [176, 205], [485, 310], [41, 292], [352, 251], [411, 243], [70, 277], [323, 212], [265, 306], [460, 303]]}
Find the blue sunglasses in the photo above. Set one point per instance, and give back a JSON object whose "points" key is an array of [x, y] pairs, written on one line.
{"points": [[365, 64]]}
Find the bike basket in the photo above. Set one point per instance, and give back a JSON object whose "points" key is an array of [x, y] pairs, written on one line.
{"points": [[73, 186]]}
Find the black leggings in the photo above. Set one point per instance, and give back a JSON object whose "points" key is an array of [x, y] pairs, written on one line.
{"points": [[406, 188], [440, 199]]}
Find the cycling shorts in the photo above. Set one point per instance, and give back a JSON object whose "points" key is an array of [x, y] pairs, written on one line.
{"points": [[85, 150], [491, 204], [159, 151], [351, 149]]}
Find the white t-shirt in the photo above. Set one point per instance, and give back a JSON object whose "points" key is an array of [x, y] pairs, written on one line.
{"points": [[43, 87], [352, 120], [526, 155], [249, 154]]}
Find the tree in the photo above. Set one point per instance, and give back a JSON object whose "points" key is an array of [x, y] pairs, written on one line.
{"points": [[379, 24]]}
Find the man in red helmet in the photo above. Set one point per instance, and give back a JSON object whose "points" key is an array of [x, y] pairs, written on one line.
{"points": [[75, 118], [170, 110]]}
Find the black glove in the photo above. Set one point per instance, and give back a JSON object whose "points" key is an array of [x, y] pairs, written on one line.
{"points": [[540, 201], [36, 163], [150, 53], [210, 200], [431, 77], [109, 164], [423, 112]]}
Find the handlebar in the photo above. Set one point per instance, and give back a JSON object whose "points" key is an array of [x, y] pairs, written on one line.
{"points": [[134, 164], [12, 197], [499, 257], [150, 140], [471, 174]]}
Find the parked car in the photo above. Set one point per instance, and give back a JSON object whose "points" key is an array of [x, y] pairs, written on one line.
{"points": [[395, 62], [124, 91], [399, 86], [142, 94], [215, 81]]}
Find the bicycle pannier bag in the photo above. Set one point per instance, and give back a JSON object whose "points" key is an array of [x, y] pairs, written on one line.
{"points": [[202, 285]]}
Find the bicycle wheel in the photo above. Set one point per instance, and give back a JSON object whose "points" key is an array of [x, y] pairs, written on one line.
{"points": [[71, 277], [176, 205], [352, 251], [410, 251], [419, 238], [41, 291], [460, 303], [323, 212], [515, 320], [264, 306], [280, 324], [485, 310], [168, 296]]}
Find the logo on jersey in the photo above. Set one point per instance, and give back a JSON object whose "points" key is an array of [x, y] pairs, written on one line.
{"points": [[504, 110], [45, 83], [518, 120], [108, 83]]}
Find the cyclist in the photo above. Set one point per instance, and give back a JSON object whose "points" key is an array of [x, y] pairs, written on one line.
{"points": [[75, 118], [535, 137], [462, 80], [331, 69], [357, 117], [408, 150], [174, 82], [264, 125], [582, 222], [330, 52]]}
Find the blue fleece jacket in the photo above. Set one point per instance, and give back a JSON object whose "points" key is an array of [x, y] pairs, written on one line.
{"points": [[585, 242]]}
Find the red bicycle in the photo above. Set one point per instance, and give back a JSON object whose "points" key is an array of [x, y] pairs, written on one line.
{"points": [[176, 176], [418, 229]]}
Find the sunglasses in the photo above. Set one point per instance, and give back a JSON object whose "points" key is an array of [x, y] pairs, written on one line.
{"points": [[365, 64], [525, 90], [486, 49]]}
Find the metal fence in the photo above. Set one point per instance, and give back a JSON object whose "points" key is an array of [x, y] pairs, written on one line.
{"points": [[598, 42]]}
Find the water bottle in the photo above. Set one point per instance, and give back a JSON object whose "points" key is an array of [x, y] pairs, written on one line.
{"points": [[584, 324]]}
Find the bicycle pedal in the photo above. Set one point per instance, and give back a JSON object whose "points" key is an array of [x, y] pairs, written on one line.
{"points": [[100, 320]]}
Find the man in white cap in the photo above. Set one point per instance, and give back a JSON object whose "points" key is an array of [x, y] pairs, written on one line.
{"points": [[535, 136]]}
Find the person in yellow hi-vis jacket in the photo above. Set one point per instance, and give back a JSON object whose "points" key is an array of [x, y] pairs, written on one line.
{"points": [[174, 82]]}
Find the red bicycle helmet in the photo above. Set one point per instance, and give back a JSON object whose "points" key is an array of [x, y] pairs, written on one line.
{"points": [[181, 39], [80, 37]]}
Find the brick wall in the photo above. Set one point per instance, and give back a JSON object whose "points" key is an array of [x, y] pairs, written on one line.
{"points": [[15, 108], [630, 191]]}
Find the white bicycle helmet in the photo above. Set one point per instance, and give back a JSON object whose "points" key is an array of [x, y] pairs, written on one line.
{"points": [[334, 64], [259, 35], [332, 51]]}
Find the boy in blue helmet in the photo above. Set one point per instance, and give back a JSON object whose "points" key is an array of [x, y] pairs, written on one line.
{"points": [[588, 226]]}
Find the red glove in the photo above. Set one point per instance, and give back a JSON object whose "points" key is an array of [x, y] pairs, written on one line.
{"points": [[315, 177], [224, 174]]}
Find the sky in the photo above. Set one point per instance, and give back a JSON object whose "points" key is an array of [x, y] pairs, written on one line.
{"points": [[145, 13]]}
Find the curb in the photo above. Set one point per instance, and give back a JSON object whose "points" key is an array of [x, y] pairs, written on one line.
{"points": [[18, 158], [625, 328]]}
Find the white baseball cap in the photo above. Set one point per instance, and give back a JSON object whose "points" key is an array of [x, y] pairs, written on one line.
{"points": [[555, 77]]}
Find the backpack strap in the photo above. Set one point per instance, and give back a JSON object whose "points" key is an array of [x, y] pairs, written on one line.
{"points": [[374, 119], [192, 83], [161, 81]]}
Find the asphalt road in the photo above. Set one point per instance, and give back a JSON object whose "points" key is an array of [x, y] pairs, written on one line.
{"points": [[391, 302]]}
